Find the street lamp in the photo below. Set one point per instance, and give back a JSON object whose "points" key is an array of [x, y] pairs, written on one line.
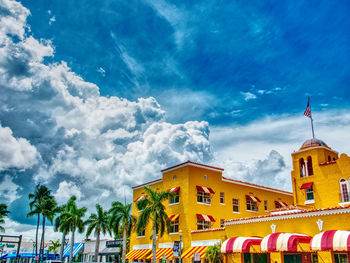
{"points": [[180, 231]]}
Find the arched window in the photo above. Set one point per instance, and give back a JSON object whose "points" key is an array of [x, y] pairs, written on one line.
{"points": [[344, 188], [302, 167], [310, 171]]}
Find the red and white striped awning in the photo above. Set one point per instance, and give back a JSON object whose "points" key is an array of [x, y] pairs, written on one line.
{"points": [[283, 242], [306, 185], [281, 203], [204, 189], [140, 198], [206, 218], [174, 189], [253, 198], [172, 218], [239, 244], [334, 240]]}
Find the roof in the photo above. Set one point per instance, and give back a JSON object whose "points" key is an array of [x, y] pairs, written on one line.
{"points": [[256, 185], [290, 213], [147, 183], [208, 230], [313, 142], [192, 164]]}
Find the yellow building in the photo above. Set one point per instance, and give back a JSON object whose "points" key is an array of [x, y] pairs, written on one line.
{"points": [[204, 200], [261, 224]]}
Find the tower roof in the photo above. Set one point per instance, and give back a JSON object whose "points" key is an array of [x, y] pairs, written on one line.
{"points": [[313, 142]]}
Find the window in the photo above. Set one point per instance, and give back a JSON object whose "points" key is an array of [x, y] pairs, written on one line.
{"points": [[344, 188], [203, 197], [309, 193], [329, 158], [174, 226], [174, 177], [142, 234], [222, 198], [235, 205], [340, 258], [175, 199], [222, 222], [205, 177], [278, 205], [202, 225], [251, 205], [265, 205], [314, 258], [310, 171], [302, 167]]}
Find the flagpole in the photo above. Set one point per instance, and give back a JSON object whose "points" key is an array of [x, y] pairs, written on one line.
{"points": [[312, 121]]}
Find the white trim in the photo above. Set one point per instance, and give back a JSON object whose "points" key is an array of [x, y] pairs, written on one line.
{"points": [[140, 236], [236, 212], [173, 233], [344, 204], [205, 243], [315, 147], [174, 204], [200, 203], [308, 202], [292, 216], [253, 211], [143, 246], [258, 187], [191, 164], [146, 184], [168, 245]]}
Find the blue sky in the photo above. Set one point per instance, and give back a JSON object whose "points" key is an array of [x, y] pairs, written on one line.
{"points": [[100, 95]]}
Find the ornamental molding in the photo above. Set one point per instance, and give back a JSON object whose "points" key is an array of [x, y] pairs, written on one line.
{"points": [[144, 246], [319, 223], [273, 228], [315, 147], [290, 216]]}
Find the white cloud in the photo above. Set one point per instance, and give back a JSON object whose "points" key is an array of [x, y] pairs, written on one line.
{"points": [[52, 19], [65, 191], [16, 152], [9, 190], [248, 96]]}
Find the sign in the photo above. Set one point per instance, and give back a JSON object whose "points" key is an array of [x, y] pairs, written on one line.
{"points": [[114, 243], [196, 257], [176, 248], [10, 245]]}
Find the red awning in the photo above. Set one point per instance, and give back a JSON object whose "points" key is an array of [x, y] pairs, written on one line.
{"points": [[281, 203], [174, 189], [307, 185], [239, 244], [253, 198], [287, 242], [204, 189], [172, 218], [206, 218], [333, 240], [140, 198]]}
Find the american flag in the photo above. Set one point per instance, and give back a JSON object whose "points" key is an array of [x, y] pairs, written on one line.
{"points": [[307, 112]]}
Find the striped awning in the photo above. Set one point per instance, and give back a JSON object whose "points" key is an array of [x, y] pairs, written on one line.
{"points": [[189, 252], [174, 189], [76, 248], [253, 198], [281, 203], [168, 252], [306, 185], [239, 244], [172, 218], [283, 242], [138, 254], [140, 198], [334, 240], [204, 189], [206, 218]]}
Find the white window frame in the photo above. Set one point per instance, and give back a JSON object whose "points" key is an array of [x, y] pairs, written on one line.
{"points": [[202, 225], [222, 198], [203, 198], [265, 205], [235, 205], [176, 199], [309, 192], [174, 226], [251, 205], [346, 183]]}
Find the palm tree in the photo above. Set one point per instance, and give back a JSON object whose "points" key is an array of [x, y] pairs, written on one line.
{"points": [[40, 193], [3, 213], [47, 208], [54, 245], [121, 218], [99, 223], [72, 219], [153, 209], [61, 227], [213, 254]]}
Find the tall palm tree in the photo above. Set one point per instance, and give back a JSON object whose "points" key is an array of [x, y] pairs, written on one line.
{"points": [[47, 208], [3, 213], [99, 223], [61, 227], [153, 209], [121, 218], [40, 193], [73, 220]]}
